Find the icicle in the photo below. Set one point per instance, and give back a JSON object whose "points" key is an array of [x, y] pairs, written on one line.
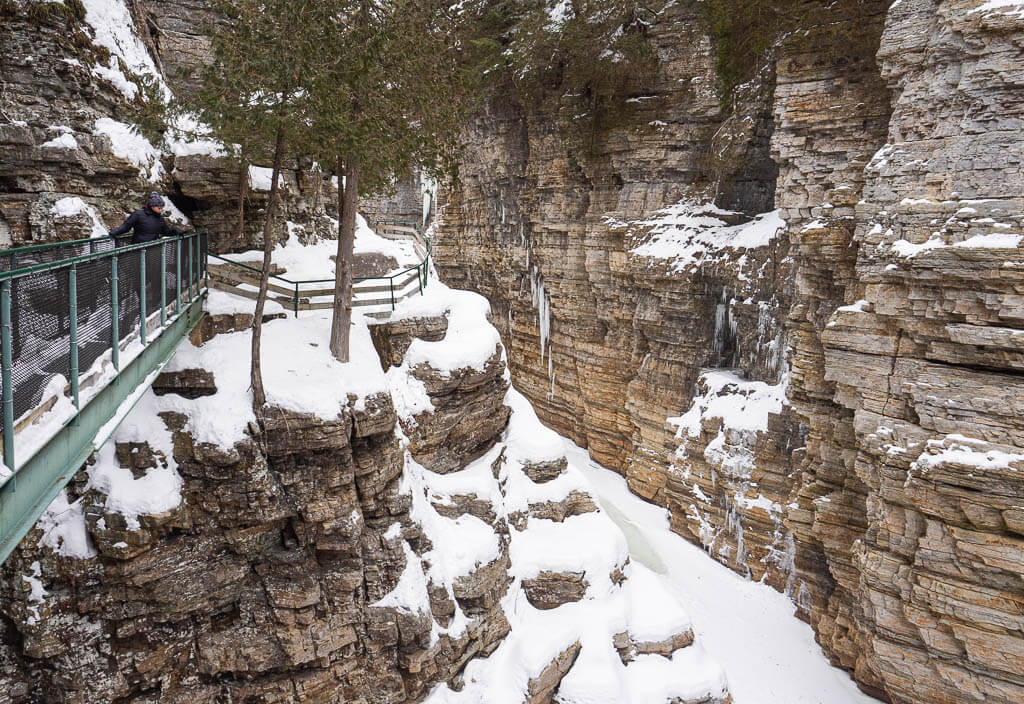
{"points": [[542, 305]]}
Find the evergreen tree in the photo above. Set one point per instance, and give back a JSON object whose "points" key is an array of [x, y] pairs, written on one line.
{"points": [[578, 60], [388, 96], [253, 95]]}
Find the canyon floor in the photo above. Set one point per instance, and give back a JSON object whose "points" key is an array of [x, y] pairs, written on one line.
{"points": [[749, 628]]}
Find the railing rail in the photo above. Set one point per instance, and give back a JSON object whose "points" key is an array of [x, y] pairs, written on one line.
{"points": [[83, 329], [63, 317], [297, 295]]}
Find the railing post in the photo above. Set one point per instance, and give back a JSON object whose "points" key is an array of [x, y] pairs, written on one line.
{"points": [[163, 285], [8, 386], [190, 271], [177, 277], [115, 332], [391, 283], [419, 276], [142, 296], [296, 299], [199, 265], [73, 329]]}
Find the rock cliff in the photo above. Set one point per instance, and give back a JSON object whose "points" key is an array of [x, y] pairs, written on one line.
{"points": [[833, 408], [261, 582], [365, 556], [76, 123]]}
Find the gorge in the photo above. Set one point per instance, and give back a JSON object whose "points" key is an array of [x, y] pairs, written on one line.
{"points": [[790, 316]]}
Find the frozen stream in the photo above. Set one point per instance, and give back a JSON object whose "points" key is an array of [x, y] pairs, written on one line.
{"points": [[769, 655]]}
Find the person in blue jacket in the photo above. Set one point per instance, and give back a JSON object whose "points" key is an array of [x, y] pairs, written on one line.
{"points": [[147, 224]]}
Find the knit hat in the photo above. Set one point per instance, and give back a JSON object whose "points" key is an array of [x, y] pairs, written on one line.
{"points": [[155, 201]]}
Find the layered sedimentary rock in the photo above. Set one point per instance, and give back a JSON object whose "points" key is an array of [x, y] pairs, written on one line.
{"points": [[593, 331], [261, 581], [832, 114], [925, 362], [72, 97], [871, 473]]}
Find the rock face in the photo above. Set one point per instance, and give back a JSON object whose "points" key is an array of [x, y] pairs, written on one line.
{"points": [[65, 132], [261, 582], [544, 237], [842, 401], [925, 366]]}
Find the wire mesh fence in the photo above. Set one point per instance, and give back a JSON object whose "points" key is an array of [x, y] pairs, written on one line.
{"points": [[94, 310], [63, 316], [39, 335], [34, 255]]}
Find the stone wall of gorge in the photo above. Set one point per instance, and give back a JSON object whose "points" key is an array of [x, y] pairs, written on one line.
{"points": [[873, 473], [66, 122], [926, 365], [606, 344], [263, 582]]}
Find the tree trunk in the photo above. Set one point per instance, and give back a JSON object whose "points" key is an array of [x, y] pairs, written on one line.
{"points": [[341, 320], [243, 191], [259, 396]]}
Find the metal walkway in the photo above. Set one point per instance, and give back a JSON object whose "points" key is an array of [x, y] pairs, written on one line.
{"points": [[85, 328]]}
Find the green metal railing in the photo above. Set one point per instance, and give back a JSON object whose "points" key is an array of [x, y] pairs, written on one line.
{"points": [[91, 319], [295, 294]]}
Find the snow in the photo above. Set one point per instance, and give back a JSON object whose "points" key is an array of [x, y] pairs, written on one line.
{"points": [[73, 205], [688, 676], [159, 488], [1003, 7], [222, 303], [999, 240], [992, 241], [129, 144], [476, 479], [905, 248], [313, 261], [748, 628], [410, 594], [741, 404], [299, 374], [547, 546], [526, 438], [116, 77], [113, 28], [260, 178], [467, 345], [460, 545], [64, 528], [558, 13], [688, 233], [408, 394], [970, 452], [655, 615], [187, 136], [857, 307], [36, 593], [173, 214], [63, 141], [744, 408]]}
